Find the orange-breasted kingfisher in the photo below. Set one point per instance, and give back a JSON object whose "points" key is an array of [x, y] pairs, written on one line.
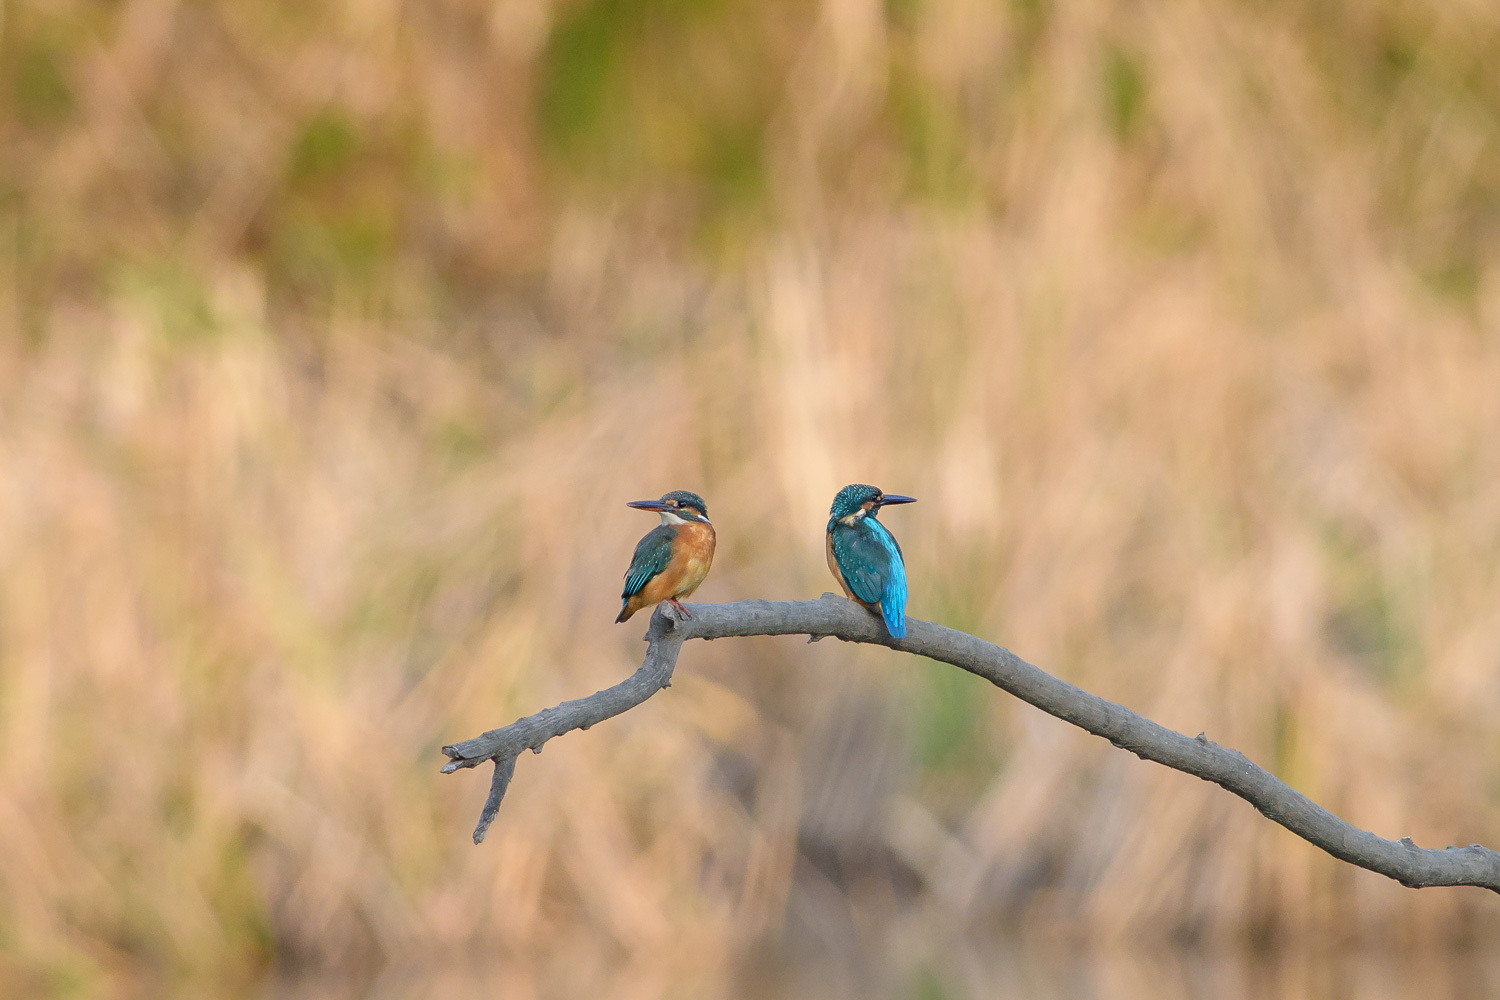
{"points": [[674, 557], [864, 556]]}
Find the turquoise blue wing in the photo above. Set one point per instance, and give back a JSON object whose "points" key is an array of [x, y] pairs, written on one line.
{"points": [[893, 588], [871, 563], [652, 553]]}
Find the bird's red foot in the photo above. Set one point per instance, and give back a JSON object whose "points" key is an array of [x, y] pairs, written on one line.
{"points": [[678, 605]]}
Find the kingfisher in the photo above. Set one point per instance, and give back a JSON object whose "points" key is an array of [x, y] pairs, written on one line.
{"points": [[864, 556], [673, 558]]}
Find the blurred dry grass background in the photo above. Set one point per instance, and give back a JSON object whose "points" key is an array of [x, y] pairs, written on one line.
{"points": [[334, 337]]}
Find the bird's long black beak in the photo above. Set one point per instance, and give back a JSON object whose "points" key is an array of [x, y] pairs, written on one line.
{"points": [[890, 498], [648, 505]]}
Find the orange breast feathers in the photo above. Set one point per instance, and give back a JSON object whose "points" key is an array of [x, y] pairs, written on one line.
{"points": [[692, 555]]}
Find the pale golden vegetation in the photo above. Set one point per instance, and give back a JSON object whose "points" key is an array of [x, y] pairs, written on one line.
{"points": [[333, 339]]}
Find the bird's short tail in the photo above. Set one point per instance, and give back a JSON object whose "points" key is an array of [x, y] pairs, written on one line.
{"points": [[625, 612], [895, 619]]}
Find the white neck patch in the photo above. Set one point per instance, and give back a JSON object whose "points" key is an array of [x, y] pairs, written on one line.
{"points": [[672, 517]]}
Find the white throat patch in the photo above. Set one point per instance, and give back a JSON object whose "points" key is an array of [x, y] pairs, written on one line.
{"points": [[672, 517]]}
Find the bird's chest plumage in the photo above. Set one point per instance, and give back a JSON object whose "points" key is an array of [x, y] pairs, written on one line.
{"points": [[692, 555]]}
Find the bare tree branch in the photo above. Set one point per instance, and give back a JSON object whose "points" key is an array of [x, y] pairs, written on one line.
{"points": [[834, 616]]}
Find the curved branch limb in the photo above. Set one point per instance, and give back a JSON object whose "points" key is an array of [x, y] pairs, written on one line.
{"points": [[505, 744], [830, 615]]}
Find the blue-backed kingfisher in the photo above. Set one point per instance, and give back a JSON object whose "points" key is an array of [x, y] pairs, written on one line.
{"points": [[864, 556], [674, 557]]}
